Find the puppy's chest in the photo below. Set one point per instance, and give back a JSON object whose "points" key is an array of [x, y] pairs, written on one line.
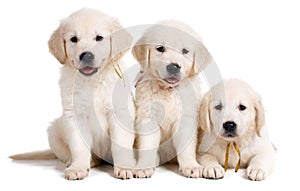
{"points": [[245, 155], [167, 110], [83, 94]]}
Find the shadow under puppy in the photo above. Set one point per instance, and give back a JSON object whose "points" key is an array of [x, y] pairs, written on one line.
{"points": [[89, 45], [171, 55], [232, 119]]}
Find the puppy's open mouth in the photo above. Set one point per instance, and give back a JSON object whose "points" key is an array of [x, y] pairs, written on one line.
{"points": [[88, 71], [229, 135], [171, 80]]}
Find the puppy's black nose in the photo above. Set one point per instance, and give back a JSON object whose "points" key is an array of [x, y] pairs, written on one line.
{"points": [[229, 126], [86, 57], [173, 68]]}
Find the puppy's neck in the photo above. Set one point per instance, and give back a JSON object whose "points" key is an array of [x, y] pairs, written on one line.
{"points": [[107, 73], [162, 86], [143, 77], [242, 141]]}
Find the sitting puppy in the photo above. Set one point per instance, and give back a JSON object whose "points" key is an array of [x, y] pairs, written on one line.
{"points": [[232, 118], [95, 120], [171, 55]]}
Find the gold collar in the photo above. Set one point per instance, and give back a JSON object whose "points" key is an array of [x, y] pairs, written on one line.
{"points": [[119, 72], [227, 155]]}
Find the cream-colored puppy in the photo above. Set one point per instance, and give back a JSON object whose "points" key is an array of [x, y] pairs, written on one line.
{"points": [[171, 55], [95, 120], [232, 118]]}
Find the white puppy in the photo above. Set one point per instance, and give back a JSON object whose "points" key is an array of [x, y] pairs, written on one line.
{"points": [[95, 118], [232, 118], [171, 55]]}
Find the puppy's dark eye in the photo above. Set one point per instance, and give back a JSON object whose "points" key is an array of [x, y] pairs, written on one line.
{"points": [[219, 107], [99, 38], [185, 51], [242, 107], [160, 49], [74, 39]]}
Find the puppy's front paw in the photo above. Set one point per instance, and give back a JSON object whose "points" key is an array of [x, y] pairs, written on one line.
{"points": [[192, 171], [213, 172], [144, 173], [123, 173], [255, 173], [72, 173]]}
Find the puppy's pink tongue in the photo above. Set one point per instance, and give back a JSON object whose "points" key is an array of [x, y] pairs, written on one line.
{"points": [[172, 80], [87, 70]]}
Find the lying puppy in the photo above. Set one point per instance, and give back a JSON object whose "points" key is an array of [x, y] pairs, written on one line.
{"points": [[171, 55], [232, 118], [90, 45]]}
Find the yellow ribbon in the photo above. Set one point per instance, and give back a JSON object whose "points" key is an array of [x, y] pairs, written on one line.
{"points": [[227, 156], [119, 72]]}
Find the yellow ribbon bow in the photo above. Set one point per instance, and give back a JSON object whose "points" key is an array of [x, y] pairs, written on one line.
{"points": [[227, 155], [119, 72]]}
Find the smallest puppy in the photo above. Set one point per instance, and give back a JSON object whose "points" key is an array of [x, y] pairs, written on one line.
{"points": [[231, 120]]}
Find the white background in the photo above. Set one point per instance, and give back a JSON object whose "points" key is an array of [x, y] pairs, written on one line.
{"points": [[257, 41]]}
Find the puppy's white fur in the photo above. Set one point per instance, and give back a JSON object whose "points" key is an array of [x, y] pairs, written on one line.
{"points": [[257, 152], [166, 113], [93, 120]]}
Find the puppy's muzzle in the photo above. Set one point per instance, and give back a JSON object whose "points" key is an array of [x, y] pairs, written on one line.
{"points": [[87, 64], [173, 68], [86, 57], [230, 129]]}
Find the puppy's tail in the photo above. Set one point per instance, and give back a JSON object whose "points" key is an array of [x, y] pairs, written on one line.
{"points": [[37, 155]]}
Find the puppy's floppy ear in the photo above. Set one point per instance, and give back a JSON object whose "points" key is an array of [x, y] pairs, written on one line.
{"points": [[201, 59], [141, 53], [204, 113], [120, 41], [56, 44], [259, 116]]}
